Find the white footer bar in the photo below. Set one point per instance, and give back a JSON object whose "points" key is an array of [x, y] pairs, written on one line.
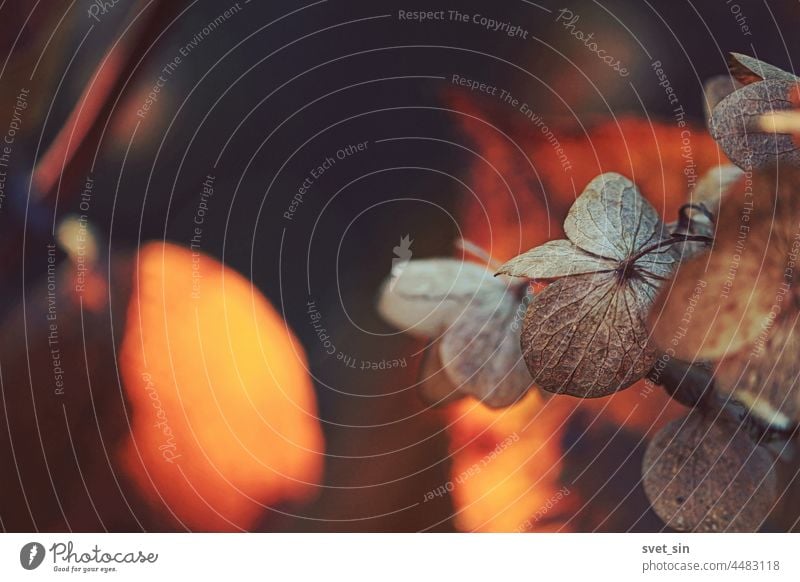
{"points": [[401, 557]]}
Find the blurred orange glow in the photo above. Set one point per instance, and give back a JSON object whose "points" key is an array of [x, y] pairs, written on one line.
{"points": [[515, 487], [512, 488], [530, 209], [514, 483], [224, 415]]}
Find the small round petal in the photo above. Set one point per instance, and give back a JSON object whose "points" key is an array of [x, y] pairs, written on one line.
{"points": [[705, 474]]}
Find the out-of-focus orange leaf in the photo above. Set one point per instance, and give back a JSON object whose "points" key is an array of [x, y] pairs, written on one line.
{"points": [[224, 415], [664, 160]]}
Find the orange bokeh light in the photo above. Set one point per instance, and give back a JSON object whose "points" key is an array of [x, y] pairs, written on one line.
{"points": [[223, 410]]}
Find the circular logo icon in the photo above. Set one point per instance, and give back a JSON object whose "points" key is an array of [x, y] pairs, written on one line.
{"points": [[31, 555]]}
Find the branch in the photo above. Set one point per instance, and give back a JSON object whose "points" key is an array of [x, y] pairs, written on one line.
{"points": [[689, 384]]}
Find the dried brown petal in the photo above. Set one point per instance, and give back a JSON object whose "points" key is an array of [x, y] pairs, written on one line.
{"points": [[715, 90], [425, 296], [557, 258], [747, 70], [735, 124], [436, 388], [611, 219], [718, 302], [477, 320], [585, 335], [481, 352], [706, 475]]}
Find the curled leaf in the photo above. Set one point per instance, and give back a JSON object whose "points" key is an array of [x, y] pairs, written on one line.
{"points": [[704, 474], [735, 124]]}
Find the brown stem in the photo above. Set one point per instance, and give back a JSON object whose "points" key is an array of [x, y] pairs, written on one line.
{"points": [[689, 384], [693, 386], [674, 239]]}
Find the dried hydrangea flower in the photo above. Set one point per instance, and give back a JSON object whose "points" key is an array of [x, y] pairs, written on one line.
{"points": [[735, 121], [585, 333], [475, 321]]}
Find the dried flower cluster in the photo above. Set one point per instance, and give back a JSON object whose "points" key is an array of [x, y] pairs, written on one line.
{"points": [[713, 297]]}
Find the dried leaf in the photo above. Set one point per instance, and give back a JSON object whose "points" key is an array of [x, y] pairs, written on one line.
{"points": [[557, 258], [735, 124], [585, 336], [718, 303], [746, 70], [703, 474]]}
